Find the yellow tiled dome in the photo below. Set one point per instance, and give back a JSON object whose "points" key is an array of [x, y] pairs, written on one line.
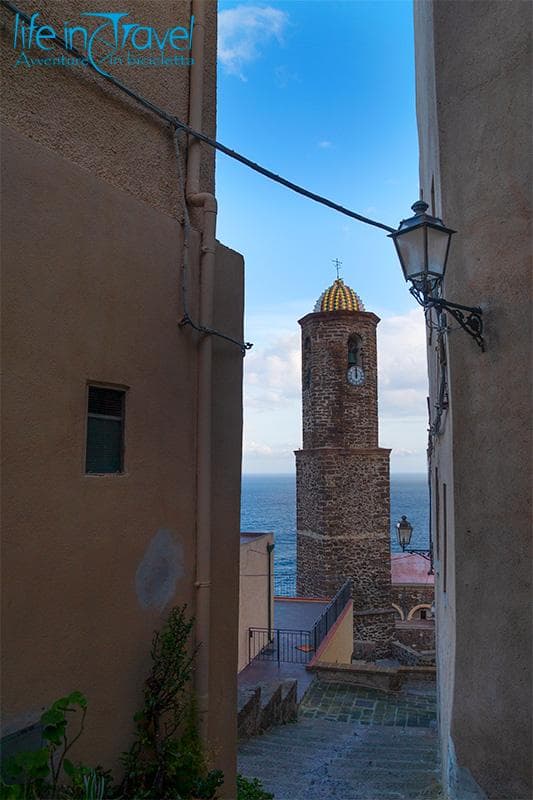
{"points": [[339, 297]]}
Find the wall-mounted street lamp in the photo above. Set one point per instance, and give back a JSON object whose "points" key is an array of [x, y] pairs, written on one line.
{"points": [[423, 243], [404, 530]]}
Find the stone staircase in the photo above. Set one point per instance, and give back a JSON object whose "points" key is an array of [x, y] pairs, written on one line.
{"points": [[266, 705], [318, 758]]}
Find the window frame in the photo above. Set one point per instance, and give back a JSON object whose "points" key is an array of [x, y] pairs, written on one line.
{"points": [[357, 340], [88, 415]]}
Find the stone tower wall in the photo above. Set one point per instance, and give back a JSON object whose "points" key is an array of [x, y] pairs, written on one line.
{"points": [[336, 414], [342, 477], [343, 524]]}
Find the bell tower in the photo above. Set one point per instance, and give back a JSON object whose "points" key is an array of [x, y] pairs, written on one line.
{"points": [[342, 475]]}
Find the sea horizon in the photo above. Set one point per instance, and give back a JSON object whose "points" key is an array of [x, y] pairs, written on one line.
{"points": [[268, 503]]}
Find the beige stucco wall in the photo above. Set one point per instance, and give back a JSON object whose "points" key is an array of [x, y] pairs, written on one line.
{"points": [[337, 648], [76, 113], [474, 112], [91, 292], [92, 564], [226, 498], [255, 591]]}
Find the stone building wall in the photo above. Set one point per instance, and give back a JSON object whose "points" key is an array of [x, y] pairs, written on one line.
{"points": [[375, 626], [419, 634], [411, 657], [408, 596]]}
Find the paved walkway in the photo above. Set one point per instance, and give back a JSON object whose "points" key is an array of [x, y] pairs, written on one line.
{"points": [[341, 703], [331, 752]]}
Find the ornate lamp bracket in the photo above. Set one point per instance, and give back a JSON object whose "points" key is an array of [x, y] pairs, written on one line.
{"points": [[470, 318]]}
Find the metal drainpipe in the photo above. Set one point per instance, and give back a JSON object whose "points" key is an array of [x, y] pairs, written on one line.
{"points": [[270, 548], [208, 203]]}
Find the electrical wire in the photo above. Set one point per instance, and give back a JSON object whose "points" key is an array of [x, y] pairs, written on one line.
{"points": [[176, 126], [177, 123], [187, 319]]}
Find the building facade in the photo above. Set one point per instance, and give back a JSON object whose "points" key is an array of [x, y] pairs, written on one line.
{"points": [[256, 589], [474, 120], [122, 430], [342, 475]]}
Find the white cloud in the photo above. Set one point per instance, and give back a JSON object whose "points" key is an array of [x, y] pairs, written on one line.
{"points": [[272, 389], [402, 366], [272, 374], [242, 33], [257, 448], [403, 452], [325, 144], [262, 449]]}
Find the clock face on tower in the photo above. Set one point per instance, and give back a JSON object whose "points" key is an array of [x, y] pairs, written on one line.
{"points": [[355, 375]]}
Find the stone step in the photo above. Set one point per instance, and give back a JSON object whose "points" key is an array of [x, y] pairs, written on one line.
{"points": [[364, 748], [334, 749], [379, 750]]}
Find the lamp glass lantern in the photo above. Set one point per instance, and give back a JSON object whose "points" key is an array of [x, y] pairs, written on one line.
{"points": [[423, 243], [405, 531]]}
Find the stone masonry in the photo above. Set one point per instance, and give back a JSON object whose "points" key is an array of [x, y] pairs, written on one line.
{"points": [[342, 475]]}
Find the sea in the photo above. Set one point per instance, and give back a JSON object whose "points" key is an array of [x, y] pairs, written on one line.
{"points": [[268, 503]]}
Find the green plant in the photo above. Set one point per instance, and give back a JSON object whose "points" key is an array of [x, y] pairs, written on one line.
{"points": [[251, 789], [26, 774], [166, 760], [87, 783]]}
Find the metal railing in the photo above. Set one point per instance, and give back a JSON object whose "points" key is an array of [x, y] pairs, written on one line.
{"points": [[331, 614], [295, 646], [279, 645]]}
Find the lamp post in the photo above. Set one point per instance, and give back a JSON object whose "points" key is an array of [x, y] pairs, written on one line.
{"points": [[404, 530], [423, 243]]}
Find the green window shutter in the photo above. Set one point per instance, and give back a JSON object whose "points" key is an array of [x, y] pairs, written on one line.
{"points": [[105, 431]]}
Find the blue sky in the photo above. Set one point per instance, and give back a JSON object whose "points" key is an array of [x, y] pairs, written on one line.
{"points": [[322, 93]]}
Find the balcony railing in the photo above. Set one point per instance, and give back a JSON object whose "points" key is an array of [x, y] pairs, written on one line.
{"points": [[331, 613], [296, 646], [279, 645]]}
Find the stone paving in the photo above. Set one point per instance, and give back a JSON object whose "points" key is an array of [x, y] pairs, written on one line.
{"points": [[343, 703], [324, 755]]}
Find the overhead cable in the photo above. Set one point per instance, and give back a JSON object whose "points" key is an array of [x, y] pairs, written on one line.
{"points": [[176, 122]]}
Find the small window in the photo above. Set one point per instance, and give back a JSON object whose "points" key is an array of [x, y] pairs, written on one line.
{"points": [[105, 431], [355, 351]]}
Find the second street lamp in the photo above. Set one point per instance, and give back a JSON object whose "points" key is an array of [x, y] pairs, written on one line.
{"points": [[404, 530]]}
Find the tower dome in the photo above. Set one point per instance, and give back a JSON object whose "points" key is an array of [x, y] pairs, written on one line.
{"points": [[339, 297]]}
